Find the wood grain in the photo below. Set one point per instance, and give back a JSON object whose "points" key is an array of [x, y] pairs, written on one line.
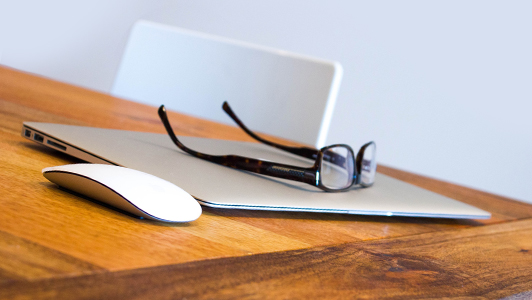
{"points": [[22, 259], [57, 245], [105, 237], [483, 263]]}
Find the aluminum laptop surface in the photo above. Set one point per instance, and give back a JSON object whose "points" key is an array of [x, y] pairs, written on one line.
{"points": [[218, 186]]}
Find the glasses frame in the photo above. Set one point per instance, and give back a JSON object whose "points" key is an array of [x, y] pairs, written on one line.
{"points": [[307, 175]]}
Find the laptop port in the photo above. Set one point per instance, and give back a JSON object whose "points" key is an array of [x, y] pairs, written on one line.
{"points": [[56, 145], [37, 137]]}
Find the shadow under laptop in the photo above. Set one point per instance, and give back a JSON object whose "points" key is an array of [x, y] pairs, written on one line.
{"points": [[335, 217]]}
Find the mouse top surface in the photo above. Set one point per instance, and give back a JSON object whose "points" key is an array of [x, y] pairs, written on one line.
{"points": [[139, 193]]}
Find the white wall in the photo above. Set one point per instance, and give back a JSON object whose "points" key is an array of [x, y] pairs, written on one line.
{"points": [[443, 87]]}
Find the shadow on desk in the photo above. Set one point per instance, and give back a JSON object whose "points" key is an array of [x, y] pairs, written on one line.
{"points": [[262, 214]]}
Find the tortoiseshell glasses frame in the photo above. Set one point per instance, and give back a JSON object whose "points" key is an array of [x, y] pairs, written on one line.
{"points": [[339, 158]]}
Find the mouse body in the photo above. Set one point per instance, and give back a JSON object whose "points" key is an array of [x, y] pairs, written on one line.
{"points": [[136, 192]]}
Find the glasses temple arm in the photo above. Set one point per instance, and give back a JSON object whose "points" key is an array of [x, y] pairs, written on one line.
{"points": [[301, 151], [307, 175], [164, 118]]}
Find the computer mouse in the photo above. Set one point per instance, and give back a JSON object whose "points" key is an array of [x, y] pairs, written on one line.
{"points": [[136, 192]]}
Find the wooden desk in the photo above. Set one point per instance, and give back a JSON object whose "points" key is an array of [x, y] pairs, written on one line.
{"points": [[56, 245]]}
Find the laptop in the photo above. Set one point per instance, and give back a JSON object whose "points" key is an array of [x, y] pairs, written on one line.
{"points": [[222, 187]]}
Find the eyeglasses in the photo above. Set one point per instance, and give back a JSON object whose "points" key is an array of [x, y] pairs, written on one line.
{"points": [[335, 168]]}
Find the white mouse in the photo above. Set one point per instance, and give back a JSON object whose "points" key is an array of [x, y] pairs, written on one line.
{"points": [[134, 191]]}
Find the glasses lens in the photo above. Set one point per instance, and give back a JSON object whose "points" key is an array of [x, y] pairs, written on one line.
{"points": [[337, 167], [369, 165]]}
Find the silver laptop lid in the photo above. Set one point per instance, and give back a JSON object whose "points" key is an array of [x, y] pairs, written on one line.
{"points": [[219, 186]]}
